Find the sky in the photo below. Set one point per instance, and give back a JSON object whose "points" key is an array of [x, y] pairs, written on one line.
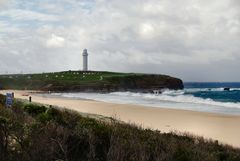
{"points": [[195, 40]]}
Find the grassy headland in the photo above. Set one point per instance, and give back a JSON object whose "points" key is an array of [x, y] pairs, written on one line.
{"points": [[31, 132], [94, 81]]}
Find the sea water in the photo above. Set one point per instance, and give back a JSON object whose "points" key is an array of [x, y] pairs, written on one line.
{"points": [[204, 97]]}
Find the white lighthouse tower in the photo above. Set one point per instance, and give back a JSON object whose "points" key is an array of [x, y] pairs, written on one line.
{"points": [[85, 60]]}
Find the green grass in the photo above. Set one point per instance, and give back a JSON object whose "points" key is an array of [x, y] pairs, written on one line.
{"points": [[67, 78], [33, 132], [78, 80]]}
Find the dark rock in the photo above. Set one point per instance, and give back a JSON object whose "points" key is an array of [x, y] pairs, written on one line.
{"points": [[226, 89]]}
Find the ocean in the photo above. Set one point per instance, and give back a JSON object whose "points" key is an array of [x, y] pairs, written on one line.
{"points": [[204, 97]]}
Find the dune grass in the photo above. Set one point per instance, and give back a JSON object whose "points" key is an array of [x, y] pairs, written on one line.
{"points": [[32, 132]]}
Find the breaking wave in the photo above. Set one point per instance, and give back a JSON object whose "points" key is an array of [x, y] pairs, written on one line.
{"points": [[215, 100], [178, 97]]}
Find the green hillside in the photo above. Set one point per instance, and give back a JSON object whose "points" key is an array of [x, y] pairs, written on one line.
{"points": [[88, 81]]}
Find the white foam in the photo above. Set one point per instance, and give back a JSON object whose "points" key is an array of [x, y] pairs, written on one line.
{"points": [[178, 97], [208, 89], [168, 99]]}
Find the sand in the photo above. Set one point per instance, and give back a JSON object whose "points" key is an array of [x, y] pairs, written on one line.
{"points": [[224, 128]]}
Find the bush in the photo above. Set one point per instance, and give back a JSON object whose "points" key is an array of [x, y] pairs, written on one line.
{"points": [[34, 109], [37, 133], [2, 101]]}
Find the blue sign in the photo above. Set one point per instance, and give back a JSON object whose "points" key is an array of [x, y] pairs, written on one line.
{"points": [[9, 99]]}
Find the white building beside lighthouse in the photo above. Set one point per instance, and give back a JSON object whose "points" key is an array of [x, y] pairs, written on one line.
{"points": [[85, 60]]}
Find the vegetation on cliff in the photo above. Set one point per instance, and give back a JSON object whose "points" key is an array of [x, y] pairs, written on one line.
{"points": [[89, 81], [30, 132]]}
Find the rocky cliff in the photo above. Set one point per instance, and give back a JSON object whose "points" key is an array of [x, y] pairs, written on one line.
{"points": [[145, 82]]}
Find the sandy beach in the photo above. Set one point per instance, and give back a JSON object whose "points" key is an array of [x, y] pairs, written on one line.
{"points": [[225, 128]]}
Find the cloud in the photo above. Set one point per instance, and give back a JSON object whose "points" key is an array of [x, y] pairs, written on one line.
{"points": [[23, 15], [55, 41], [2, 2], [179, 38]]}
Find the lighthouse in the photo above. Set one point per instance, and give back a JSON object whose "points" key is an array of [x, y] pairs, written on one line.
{"points": [[85, 60]]}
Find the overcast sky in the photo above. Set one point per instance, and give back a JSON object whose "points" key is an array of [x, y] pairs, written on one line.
{"points": [[196, 40]]}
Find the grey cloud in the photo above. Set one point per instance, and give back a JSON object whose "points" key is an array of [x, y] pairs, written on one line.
{"points": [[2, 2], [23, 15], [193, 40]]}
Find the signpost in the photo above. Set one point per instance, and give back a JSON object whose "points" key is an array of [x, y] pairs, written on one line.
{"points": [[9, 99]]}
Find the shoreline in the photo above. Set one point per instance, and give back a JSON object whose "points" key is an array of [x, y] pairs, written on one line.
{"points": [[224, 128], [42, 94]]}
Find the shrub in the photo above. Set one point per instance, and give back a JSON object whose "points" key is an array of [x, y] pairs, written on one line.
{"points": [[34, 109], [2, 101], [34, 132]]}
